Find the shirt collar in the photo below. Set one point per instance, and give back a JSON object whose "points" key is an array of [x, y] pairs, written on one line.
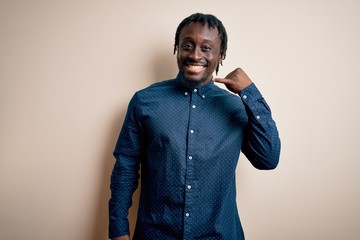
{"points": [[202, 91]]}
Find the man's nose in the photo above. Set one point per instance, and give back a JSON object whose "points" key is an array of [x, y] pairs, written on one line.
{"points": [[196, 53]]}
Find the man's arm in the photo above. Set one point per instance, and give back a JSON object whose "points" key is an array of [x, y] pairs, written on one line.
{"points": [[261, 143], [125, 174]]}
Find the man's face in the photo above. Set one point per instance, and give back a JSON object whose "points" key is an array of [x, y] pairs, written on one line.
{"points": [[198, 53]]}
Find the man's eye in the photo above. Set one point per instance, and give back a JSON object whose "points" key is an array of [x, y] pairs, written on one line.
{"points": [[206, 48], [187, 47]]}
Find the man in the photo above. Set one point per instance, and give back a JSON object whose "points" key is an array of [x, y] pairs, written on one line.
{"points": [[187, 133]]}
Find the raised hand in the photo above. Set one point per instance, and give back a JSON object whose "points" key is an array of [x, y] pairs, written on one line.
{"points": [[235, 81]]}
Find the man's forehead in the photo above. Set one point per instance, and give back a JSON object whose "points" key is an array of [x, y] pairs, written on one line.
{"points": [[194, 27]]}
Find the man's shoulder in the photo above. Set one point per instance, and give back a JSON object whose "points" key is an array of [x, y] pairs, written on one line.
{"points": [[158, 86], [156, 91]]}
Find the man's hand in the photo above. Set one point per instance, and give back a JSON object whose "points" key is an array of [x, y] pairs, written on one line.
{"points": [[122, 238], [235, 81]]}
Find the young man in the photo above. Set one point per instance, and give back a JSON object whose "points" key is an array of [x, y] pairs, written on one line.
{"points": [[187, 134]]}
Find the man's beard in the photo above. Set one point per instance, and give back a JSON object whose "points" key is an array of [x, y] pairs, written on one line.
{"points": [[190, 82]]}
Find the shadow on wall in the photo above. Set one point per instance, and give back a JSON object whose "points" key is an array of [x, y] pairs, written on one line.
{"points": [[163, 66], [100, 221]]}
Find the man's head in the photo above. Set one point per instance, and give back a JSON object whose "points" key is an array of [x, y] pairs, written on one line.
{"points": [[200, 44]]}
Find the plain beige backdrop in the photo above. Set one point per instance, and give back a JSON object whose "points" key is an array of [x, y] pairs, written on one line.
{"points": [[68, 69]]}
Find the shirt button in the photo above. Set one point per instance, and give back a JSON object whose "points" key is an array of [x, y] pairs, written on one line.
{"points": [[190, 157], [203, 96], [187, 214], [189, 186], [194, 106], [191, 131], [195, 90], [257, 117], [186, 93], [244, 97]]}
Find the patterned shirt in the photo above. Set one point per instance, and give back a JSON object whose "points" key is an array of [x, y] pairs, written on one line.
{"points": [[187, 142]]}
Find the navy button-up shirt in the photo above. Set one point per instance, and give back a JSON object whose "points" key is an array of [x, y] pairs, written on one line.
{"points": [[188, 141]]}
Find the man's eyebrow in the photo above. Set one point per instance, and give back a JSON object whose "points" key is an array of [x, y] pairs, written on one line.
{"points": [[190, 39], [208, 41], [187, 38]]}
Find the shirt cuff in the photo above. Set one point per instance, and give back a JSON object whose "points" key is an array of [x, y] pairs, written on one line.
{"points": [[255, 104], [250, 95]]}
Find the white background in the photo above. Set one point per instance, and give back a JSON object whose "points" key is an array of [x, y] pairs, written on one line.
{"points": [[69, 68]]}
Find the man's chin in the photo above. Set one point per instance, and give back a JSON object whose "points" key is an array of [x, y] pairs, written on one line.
{"points": [[191, 81]]}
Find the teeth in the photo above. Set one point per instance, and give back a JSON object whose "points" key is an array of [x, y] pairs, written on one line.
{"points": [[195, 66]]}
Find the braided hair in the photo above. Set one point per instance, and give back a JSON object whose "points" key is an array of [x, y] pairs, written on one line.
{"points": [[204, 19]]}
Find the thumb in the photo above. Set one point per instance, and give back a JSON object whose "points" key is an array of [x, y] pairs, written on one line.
{"points": [[221, 80]]}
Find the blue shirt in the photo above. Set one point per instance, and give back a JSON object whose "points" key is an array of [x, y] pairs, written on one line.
{"points": [[188, 141]]}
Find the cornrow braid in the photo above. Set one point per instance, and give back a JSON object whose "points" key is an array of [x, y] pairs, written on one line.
{"points": [[204, 19]]}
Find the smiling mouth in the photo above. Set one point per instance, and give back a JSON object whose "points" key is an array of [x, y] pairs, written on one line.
{"points": [[194, 68]]}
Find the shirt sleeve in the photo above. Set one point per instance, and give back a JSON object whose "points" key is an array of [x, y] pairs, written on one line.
{"points": [[261, 143], [125, 174]]}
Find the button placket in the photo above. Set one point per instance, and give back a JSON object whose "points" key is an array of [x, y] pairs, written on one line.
{"points": [[189, 175]]}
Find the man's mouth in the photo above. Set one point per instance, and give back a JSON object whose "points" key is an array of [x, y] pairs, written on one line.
{"points": [[194, 68]]}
